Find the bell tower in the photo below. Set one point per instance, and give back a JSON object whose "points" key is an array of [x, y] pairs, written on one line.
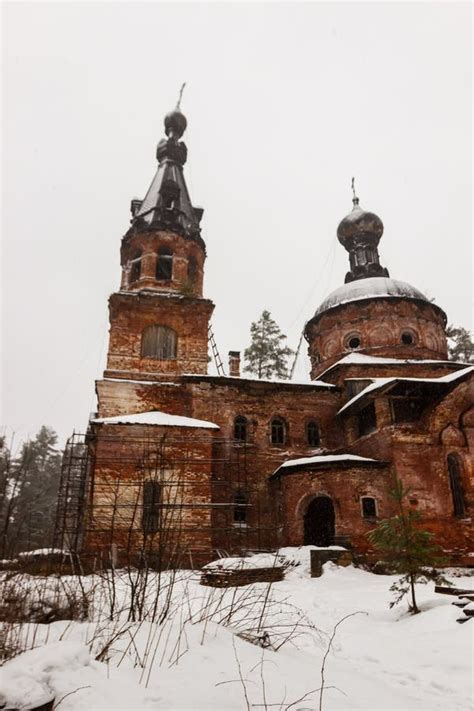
{"points": [[159, 319]]}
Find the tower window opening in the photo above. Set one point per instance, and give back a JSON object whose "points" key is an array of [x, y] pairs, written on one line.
{"points": [[240, 428], [136, 267], [164, 264], [312, 434], [151, 506], [240, 507], [369, 507], [406, 409], [277, 431], [366, 420], [159, 342], [454, 471], [353, 342], [169, 193], [192, 269], [407, 338]]}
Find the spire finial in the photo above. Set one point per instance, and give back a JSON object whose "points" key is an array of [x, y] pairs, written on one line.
{"points": [[355, 199], [178, 105]]}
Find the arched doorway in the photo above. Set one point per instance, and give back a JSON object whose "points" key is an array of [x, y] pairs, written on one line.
{"points": [[319, 522]]}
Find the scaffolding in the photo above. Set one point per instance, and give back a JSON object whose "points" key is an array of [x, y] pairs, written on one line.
{"points": [[195, 497]]}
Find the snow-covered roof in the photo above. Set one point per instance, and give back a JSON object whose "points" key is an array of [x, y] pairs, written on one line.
{"points": [[371, 288], [324, 459], [379, 383], [141, 382], [156, 418], [233, 378], [363, 359]]}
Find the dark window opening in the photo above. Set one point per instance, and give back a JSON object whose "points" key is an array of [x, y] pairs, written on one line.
{"points": [[369, 508], [240, 428], [354, 387], [159, 342], [136, 267], [407, 338], [278, 431], [353, 343], [366, 420], [192, 269], [312, 434], [164, 265], [169, 192], [454, 470], [406, 409], [151, 507], [240, 507]]}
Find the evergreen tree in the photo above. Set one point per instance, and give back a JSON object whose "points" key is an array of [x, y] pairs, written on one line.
{"points": [[28, 494], [267, 356], [407, 548], [460, 344]]}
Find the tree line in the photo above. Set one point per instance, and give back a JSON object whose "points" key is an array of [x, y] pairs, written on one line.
{"points": [[29, 484]]}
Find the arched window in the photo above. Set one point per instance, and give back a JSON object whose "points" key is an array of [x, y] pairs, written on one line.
{"points": [[240, 507], [151, 506], [278, 431], [369, 507], [454, 470], [408, 338], [353, 341], [312, 434], [136, 267], [164, 264], [159, 342], [192, 269], [240, 428]]}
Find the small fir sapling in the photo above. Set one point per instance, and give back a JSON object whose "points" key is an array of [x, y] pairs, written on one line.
{"points": [[407, 548], [267, 357]]}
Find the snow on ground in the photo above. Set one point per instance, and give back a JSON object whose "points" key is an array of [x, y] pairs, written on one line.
{"points": [[382, 659]]}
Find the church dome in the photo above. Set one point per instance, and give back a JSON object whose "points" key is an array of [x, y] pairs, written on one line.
{"points": [[372, 288], [359, 223]]}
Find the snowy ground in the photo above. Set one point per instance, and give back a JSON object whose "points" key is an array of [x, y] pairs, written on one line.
{"points": [[382, 659]]}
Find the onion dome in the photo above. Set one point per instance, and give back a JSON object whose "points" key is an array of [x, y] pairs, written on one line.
{"points": [[359, 223], [359, 233], [175, 124]]}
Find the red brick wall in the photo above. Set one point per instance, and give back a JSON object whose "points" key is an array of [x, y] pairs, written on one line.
{"points": [[379, 324], [131, 313]]}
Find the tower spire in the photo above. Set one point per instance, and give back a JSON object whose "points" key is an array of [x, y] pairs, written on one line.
{"points": [[167, 204]]}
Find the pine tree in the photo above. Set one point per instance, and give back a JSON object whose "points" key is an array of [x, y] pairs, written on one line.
{"points": [[29, 487], [267, 357], [460, 344], [407, 548]]}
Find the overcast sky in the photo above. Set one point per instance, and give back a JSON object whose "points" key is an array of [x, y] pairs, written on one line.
{"points": [[285, 103]]}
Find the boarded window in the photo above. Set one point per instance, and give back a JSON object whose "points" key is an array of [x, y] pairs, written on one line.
{"points": [[159, 342], [164, 264], [312, 434], [151, 506], [366, 420], [240, 428], [277, 431], [240, 507], [369, 508], [454, 470]]}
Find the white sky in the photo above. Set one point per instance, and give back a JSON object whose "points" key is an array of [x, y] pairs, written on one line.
{"points": [[285, 102]]}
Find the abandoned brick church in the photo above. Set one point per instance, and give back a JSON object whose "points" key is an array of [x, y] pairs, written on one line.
{"points": [[180, 460]]}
